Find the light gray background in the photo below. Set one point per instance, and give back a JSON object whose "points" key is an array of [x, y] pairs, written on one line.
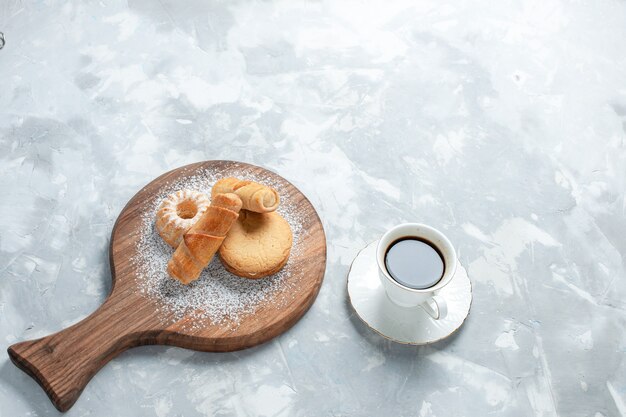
{"points": [[502, 123]]}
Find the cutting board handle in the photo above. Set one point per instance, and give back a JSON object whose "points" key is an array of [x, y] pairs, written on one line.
{"points": [[64, 362]]}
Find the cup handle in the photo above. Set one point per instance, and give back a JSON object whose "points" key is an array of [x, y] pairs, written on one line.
{"points": [[436, 307]]}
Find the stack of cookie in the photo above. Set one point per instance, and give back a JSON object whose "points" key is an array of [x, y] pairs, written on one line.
{"points": [[253, 240]]}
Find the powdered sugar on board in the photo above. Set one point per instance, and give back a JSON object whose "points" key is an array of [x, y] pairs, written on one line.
{"points": [[217, 296]]}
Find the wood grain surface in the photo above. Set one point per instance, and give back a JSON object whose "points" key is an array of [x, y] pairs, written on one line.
{"points": [[64, 362]]}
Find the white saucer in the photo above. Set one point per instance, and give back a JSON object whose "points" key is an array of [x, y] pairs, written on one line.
{"points": [[404, 325]]}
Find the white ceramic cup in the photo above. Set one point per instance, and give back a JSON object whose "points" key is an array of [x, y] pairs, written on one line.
{"points": [[404, 296]]}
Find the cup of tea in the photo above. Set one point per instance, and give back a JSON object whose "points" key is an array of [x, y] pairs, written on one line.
{"points": [[415, 261]]}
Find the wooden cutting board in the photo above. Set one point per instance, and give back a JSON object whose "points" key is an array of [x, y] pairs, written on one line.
{"points": [[64, 362]]}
